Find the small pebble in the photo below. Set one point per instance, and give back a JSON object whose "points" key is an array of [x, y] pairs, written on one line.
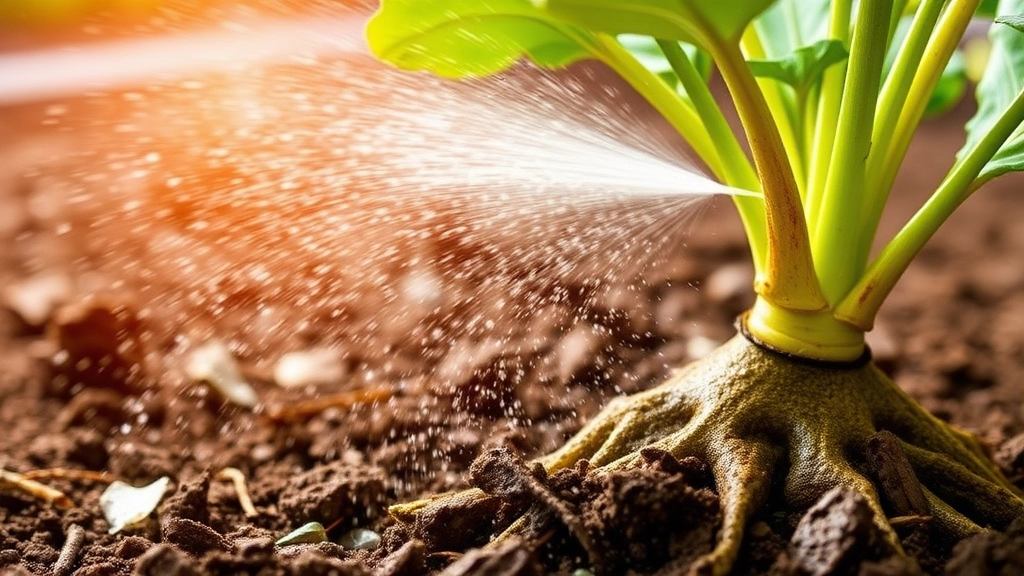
{"points": [[214, 364], [360, 539], [885, 349], [314, 367], [35, 298], [1011, 454], [422, 286], [729, 282], [576, 351], [262, 453], [698, 347]]}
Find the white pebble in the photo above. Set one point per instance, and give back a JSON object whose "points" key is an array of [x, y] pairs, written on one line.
{"points": [[422, 286], [312, 367], [35, 298], [214, 364], [729, 281], [124, 505], [360, 539], [698, 347]]}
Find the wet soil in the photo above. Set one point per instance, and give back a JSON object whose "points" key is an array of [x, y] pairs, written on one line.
{"points": [[100, 316]]}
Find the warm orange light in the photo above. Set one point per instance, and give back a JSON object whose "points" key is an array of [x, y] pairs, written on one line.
{"points": [[44, 12]]}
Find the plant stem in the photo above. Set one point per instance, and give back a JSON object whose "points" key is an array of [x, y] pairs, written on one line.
{"points": [[912, 103], [810, 124], [837, 240], [890, 104], [787, 279], [783, 108], [860, 306], [828, 114], [898, 6], [805, 113], [734, 159]]}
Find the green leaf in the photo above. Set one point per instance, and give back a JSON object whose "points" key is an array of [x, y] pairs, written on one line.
{"points": [[788, 25], [459, 38], [987, 9], [803, 67], [1015, 22], [698, 22], [1000, 84], [645, 49]]}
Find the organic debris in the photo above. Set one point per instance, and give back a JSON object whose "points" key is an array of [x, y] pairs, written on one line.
{"points": [[68, 474], [124, 505], [510, 558], [896, 479], [303, 409], [309, 533], [214, 364], [237, 479], [35, 489], [69, 551]]}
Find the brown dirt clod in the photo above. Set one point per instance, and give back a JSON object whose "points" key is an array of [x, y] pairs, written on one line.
{"points": [[835, 535]]}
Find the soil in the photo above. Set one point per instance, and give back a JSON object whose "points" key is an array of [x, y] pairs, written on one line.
{"points": [[416, 400]]}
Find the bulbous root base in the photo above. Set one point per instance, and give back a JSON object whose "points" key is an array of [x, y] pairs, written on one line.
{"points": [[747, 411], [753, 415]]}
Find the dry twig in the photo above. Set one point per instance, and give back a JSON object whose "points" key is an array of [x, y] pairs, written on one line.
{"points": [[68, 474], [35, 489], [305, 409]]}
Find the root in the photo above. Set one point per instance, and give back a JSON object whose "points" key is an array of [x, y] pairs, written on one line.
{"points": [[743, 473], [761, 419]]}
